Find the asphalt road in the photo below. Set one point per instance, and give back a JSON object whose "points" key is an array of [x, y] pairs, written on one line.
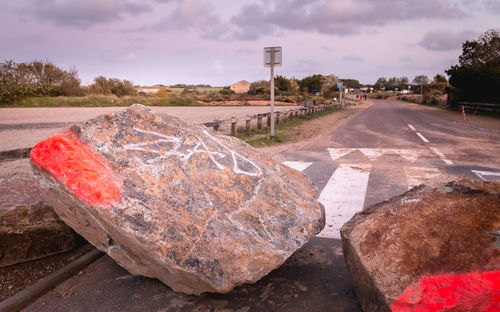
{"points": [[379, 153]]}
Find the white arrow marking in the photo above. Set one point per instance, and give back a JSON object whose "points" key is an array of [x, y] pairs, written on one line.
{"points": [[374, 153], [297, 165], [336, 153], [343, 196]]}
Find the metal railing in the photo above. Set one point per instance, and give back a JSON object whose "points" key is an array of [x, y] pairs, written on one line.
{"points": [[474, 108]]}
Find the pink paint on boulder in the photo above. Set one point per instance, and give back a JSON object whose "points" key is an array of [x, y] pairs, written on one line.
{"points": [[479, 291], [79, 168]]}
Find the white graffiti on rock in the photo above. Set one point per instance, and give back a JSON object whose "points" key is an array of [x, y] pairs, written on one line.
{"points": [[174, 146]]}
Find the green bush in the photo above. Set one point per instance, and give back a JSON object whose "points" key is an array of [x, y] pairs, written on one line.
{"points": [[21, 80], [226, 91], [105, 86]]}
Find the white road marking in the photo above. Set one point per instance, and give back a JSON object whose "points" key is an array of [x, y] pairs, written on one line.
{"points": [[422, 137], [374, 153], [481, 174], [297, 165], [420, 175], [343, 196], [433, 149], [336, 153], [441, 155]]}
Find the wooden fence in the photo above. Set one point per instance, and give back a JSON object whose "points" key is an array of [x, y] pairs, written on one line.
{"points": [[233, 126], [474, 108]]}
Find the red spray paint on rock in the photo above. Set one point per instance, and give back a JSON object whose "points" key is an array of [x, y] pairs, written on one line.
{"points": [[79, 168], [479, 292]]}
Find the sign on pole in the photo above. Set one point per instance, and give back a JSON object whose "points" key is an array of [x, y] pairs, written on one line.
{"points": [[339, 85], [272, 58]]}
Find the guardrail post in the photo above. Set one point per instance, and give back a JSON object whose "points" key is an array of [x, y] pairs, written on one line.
{"points": [[259, 121], [278, 117], [268, 120], [233, 126], [247, 125], [216, 125]]}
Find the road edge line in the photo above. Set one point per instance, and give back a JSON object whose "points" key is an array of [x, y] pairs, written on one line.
{"points": [[422, 137], [31, 293]]}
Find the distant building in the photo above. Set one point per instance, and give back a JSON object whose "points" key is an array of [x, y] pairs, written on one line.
{"points": [[148, 90], [241, 86]]}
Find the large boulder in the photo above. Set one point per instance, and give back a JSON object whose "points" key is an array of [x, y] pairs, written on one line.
{"points": [[168, 199], [29, 227], [428, 250]]}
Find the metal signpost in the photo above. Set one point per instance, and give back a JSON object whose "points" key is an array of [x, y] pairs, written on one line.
{"points": [[272, 57], [339, 85]]}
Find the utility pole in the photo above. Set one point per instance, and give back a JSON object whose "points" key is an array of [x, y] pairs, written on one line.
{"points": [[272, 95], [421, 91]]}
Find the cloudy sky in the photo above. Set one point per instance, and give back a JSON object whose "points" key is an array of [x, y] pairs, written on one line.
{"points": [[220, 42]]}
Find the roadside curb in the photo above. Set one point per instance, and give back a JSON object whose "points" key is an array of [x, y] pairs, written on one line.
{"points": [[28, 295], [16, 154]]}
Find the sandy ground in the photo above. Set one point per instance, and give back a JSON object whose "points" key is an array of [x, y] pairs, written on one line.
{"points": [[75, 114], [253, 103], [24, 127]]}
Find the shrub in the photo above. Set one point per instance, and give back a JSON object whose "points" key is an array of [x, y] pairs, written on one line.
{"points": [[20, 80], [226, 91], [162, 94], [115, 86]]}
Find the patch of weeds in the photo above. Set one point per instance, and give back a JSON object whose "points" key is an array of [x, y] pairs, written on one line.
{"points": [[264, 141]]}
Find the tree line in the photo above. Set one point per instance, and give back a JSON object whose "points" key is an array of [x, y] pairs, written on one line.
{"points": [[37, 79], [316, 83], [439, 82], [476, 77]]}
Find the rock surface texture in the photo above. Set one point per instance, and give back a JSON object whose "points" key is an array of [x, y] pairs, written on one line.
{"points": [[29, 227], [428, 250], [172, 200]]}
